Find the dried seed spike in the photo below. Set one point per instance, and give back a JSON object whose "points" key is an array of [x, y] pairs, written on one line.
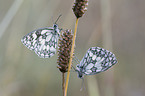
{"points": [[79, 7], [65, 43]]}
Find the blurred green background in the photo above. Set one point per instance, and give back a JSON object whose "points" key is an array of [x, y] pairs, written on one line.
{"points": [[116, 25]]}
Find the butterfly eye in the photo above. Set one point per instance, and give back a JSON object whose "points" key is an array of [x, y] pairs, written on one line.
{"points": [[55, 26]]}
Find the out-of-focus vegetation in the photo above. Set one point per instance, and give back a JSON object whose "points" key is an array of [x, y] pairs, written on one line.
{"points": [[23, 73]]}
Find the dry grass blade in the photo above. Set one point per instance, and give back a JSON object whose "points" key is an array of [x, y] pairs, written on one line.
{"points": [[71, 56], [9, 16]]}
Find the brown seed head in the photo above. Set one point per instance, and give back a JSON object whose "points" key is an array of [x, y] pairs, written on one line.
{"points": [[65, 43], [79, 7]]}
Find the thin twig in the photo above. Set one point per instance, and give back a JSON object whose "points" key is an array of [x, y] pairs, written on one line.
{"points": [[71, 56]]}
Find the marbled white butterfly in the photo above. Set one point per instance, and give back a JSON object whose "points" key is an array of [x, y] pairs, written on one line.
{"points": [[43, 41], [96, 60]]}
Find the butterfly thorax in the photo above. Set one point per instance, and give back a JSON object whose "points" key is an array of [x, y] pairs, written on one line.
{"points": [[56, 30]]}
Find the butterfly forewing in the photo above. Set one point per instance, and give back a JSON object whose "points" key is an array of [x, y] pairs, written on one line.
{"points": [[43, 41], [96, 60]]}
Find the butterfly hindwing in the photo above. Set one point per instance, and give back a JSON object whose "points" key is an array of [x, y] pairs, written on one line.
{"points": [[42, 41], [96, 60]]}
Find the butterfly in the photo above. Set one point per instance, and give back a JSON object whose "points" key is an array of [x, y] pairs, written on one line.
{"points": [[43, 41], [96, 60]]}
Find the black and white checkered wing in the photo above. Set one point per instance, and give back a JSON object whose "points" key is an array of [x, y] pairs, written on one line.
{"points": [[42, 41], [96, 60]]}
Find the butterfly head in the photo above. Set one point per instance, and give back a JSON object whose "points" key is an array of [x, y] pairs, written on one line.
{"points": [[80, 75], [56, 29], [55, 26], [79, 69]]}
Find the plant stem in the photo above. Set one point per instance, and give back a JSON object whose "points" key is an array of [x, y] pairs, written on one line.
{"points": [[63, 83], [71, 56]]}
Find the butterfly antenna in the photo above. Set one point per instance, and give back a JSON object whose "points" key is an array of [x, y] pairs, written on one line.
{"points": [[76, 59], [57, 18], [74, 68]]}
